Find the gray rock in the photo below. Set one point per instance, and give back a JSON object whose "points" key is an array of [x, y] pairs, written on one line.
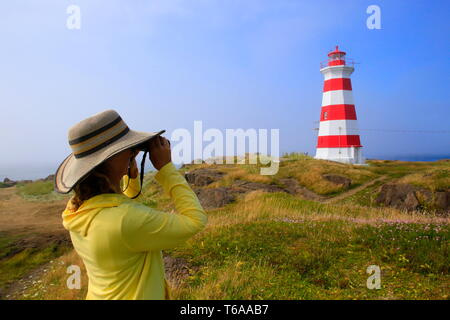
{"points": [[202, 177], [442, 200], [51, 177], [215, 197], [292, 186], [340, 180], [409, 197], [411, 202], [8, 183]]}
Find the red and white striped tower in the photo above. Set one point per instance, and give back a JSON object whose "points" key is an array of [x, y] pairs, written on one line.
{"points": [[338, 132]]}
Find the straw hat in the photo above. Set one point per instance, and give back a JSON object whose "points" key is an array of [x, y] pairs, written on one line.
{"points": [[93, 141]]}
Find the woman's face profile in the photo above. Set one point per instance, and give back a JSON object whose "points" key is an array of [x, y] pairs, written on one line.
{"points": [[117, 166]]}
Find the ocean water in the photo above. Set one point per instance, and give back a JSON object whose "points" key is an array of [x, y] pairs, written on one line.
{"points": [[416, 157], [26, 172]]}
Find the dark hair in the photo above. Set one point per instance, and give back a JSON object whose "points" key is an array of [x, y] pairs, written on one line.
{"points": [[97, 182]]}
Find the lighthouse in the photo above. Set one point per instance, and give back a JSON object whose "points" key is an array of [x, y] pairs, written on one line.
{"points": [[338, 138]]}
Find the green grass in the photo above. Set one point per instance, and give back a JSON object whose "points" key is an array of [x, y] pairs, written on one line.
{"points": [[40, 191], [16, 263], [436, 179], [315, 260], [36, 188], [367, 196], [434, 176], [309, 173], [6, 245], [293, 156], [421, 248], [399, 169]]}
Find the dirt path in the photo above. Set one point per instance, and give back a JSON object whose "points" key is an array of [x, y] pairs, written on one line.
{"points": [[307, 194], [29, 224], [353, 191], [17, 289], [19, 216]]}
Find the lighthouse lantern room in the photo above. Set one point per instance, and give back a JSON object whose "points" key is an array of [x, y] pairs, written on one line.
{"points": [[338, 138]]}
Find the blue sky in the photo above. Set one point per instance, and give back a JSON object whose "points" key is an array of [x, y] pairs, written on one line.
{"points": [[232, 64]]}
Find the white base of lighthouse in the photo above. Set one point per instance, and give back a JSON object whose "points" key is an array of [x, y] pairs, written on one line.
{"points": [[352, 155]]}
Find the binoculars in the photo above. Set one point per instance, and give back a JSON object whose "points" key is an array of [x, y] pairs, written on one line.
{"points": [[144, 146]]}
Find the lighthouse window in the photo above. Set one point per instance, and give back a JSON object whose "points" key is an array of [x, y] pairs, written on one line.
{"points": [[325, 115]]}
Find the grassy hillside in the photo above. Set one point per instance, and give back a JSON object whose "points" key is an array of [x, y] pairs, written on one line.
{"points": [[281, 246], [306, 170]]}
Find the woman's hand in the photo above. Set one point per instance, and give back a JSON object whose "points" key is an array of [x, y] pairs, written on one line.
{"points": [[159, 152]]}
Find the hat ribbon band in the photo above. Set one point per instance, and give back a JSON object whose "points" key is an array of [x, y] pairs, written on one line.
{"points": [[100, 138], [103, 144], [96, 132]]}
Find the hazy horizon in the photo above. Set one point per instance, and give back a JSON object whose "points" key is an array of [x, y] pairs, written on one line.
{"points": [[33, 172]]}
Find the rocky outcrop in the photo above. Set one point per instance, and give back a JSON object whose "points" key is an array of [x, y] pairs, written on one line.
{"points": [[339, 180], [442, 200], [8, 183], [409, 197], [211, 198], [177, 269], [292, 186], [50, 177], [411, 202], [202, 177], [402, 196]]}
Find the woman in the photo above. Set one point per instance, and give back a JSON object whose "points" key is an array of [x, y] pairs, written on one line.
{"points": [[119, 239]]}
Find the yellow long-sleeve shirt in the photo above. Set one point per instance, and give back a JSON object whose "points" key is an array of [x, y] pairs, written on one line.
{"points": [[120, 240]]}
